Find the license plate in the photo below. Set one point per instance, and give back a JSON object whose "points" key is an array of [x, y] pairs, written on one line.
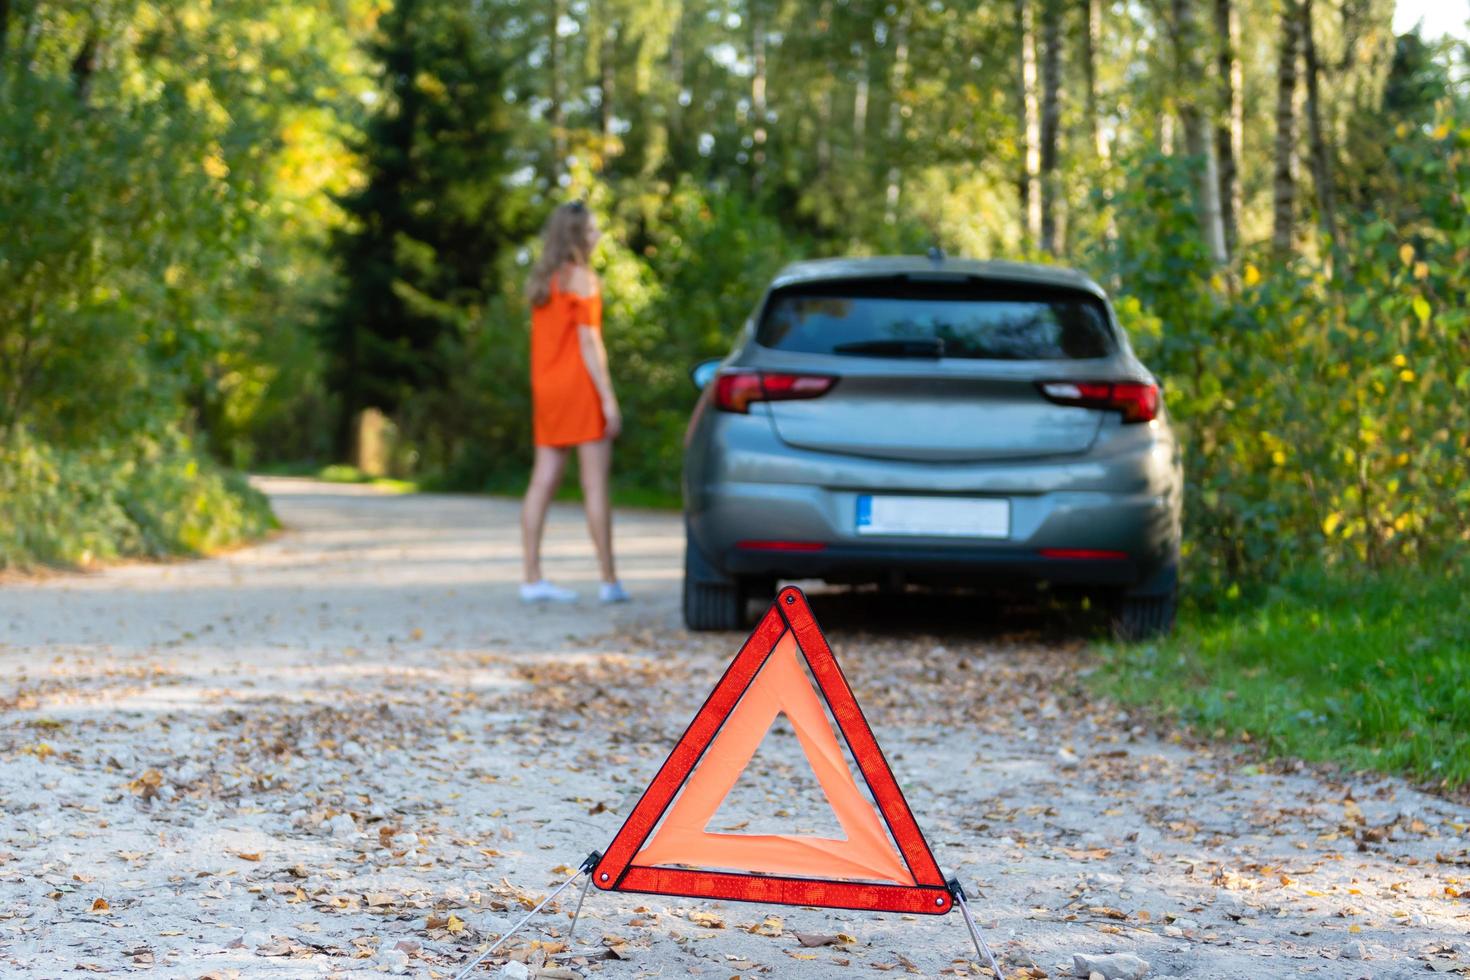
{"points": [[957, 517]]}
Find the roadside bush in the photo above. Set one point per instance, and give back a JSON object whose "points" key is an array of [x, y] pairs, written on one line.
{"points": [[142, 497], [1324, 404]]}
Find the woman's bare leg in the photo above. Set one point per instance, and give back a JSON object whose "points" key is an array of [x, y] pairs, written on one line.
{"points": [[546, 475], [594, 460]]}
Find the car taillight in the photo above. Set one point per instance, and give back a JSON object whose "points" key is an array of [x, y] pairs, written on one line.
{"points": [[1138, 401], [735, 391]]}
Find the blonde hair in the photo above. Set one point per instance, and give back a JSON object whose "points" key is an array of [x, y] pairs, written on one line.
{"points": [[563, 242]]}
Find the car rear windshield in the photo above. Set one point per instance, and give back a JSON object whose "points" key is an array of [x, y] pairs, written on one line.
{"points": [[967, 319]]}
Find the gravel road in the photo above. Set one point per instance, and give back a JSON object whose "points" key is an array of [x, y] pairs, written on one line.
{"points": [[350, 752]]}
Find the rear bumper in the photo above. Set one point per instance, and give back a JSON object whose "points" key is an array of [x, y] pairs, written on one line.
{"points": [[758, 508], [809, 532], [842, 563]]}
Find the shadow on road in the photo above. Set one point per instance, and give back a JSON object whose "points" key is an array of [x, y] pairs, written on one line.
{"points": [[1017, 615]]}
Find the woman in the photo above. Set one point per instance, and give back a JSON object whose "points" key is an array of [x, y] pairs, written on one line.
{"points": [[572, 397]]}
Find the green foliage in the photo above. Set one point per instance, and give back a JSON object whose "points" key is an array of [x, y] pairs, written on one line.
{"points": [[1322, 401], [162, 170], [1371, 671], [230, 224], [708, 259], [433, 214], [141, 497]]}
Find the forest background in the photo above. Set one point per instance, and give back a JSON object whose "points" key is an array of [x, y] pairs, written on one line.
{"points": [[229, 226]]}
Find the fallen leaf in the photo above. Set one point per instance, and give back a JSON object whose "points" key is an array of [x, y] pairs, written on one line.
{"points": [[772, 927], [100, 906], [1107, 911], [812, 939], [707, 919], [147, 784], [248, 855]]}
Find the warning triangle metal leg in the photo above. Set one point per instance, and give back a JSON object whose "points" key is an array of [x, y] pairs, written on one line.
{"points": [[981, 948], [582, 897], [588, 864]]}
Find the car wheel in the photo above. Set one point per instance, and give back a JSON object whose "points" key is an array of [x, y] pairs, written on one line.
{"points": [[712, 607], [1143, 617], [712, 601]]}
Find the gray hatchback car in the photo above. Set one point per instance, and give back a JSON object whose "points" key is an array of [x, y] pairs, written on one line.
{"points": [[936, 422]]}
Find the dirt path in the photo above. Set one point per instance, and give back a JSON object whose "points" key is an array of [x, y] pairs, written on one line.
{"points": [[351, 752]]}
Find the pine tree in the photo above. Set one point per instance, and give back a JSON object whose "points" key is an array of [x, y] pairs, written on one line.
{"points": [[433, 214]]}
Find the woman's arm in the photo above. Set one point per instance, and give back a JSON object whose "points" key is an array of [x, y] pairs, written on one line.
{"points": [[594, 355]]}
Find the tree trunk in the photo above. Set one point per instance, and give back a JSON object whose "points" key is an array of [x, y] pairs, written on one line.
{"points": [[1030, 125], [554, 111], [1283, 197], [860, 107], [1207, 184], [1321, 153], [676, 73], [1051, 122], [1230, 131], [897, 81], [606, 88], [825, 105], [4, 28], [84, 66], [1198, 135], [757, 96], [1091, 38]]}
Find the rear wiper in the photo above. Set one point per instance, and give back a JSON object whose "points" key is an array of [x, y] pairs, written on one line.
{"points": [[897, 347]]}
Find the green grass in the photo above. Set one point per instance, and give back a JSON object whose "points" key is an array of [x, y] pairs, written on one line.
{"points": [[1369, 672], [513, 484], [504, 485], [338, 473]]}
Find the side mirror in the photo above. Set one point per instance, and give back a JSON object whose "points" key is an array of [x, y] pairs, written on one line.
{"points": [[704, 372]]}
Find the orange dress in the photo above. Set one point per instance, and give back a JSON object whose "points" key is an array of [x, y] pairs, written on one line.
{"points": [[565, 406]]}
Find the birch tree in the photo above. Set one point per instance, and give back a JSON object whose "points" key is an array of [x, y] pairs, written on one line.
{"points": [[1283, 195]]}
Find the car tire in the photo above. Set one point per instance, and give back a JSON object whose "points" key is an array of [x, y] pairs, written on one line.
{"points": [[1143, 617], [712, 607], [712, 601]]}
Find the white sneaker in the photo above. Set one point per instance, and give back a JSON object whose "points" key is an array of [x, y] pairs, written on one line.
{"points": [[613, 592], [544, 591]]}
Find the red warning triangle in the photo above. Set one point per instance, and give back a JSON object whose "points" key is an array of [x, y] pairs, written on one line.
{"points": [[667, 828]]}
